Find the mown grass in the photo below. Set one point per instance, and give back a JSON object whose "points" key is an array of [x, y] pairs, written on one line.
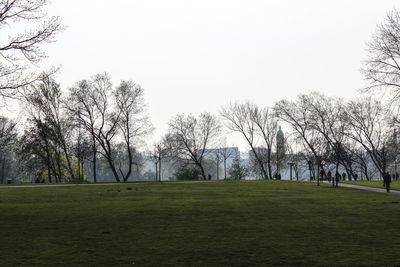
{"points": [[232, 223], [395, 185]]}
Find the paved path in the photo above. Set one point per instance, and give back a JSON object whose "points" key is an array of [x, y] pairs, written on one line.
{"points": [[367, 188]]}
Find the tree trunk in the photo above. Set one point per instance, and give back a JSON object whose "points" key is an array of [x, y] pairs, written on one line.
{"points": [[48, 166], [159, 169], [3, 162], [225, 168], [217, 169], [202, 171], [269, 163], [156, 170], [94, 158], [130, 160]]}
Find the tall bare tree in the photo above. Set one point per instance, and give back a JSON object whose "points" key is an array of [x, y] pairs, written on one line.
{"points": [[160, 153], [192, 137], [105, 125], [371, 128], [109, 114], [45, 100], [267, 126], [297, 114], [81, 105], [131, 118], [328, 119], [238, 119], [20, 52], [382, 67]]}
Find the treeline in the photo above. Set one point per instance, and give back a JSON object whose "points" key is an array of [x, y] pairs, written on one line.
{"points": [[94, 121], [97, 123]]}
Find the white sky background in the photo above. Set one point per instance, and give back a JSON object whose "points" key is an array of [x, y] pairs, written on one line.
{"points": [[195, 56]]}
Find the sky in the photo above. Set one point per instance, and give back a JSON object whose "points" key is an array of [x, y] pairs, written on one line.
{"points": [[196, 56]]}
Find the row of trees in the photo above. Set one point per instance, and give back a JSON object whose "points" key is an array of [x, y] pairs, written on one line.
{"points": [[359, 136], [97, 121], [94, 118], [351, 134]]}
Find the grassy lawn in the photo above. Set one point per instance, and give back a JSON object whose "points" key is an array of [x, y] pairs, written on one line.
{"points": [[232, 223], [395, 185]]}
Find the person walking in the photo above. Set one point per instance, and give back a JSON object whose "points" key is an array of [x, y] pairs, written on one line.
{"points": [[329, 176], [386, 181]]}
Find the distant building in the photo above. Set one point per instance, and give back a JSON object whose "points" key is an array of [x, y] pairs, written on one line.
{"points": [[280, 150], [219, 160]]}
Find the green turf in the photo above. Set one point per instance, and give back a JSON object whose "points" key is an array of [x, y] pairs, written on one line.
{"points": [[395, 185], [257, 223]]}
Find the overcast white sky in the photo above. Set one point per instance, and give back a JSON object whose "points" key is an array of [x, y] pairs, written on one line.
{"points": [[195, 56]]}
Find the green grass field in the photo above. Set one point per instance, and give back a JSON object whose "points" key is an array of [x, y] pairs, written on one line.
{"points": [[227, 223], [395, 185]]}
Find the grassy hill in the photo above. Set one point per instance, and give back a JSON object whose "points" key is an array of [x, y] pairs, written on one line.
{"points": [[226, 223]]}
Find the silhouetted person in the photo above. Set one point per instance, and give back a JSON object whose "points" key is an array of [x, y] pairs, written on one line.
{"points": [[337, 178], [344, 176], [329, 176], [322, 174], [386, 181], [209, 177], [355, 177]]}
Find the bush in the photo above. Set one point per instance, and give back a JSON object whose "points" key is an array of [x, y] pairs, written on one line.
{"points": [[187, 172]]}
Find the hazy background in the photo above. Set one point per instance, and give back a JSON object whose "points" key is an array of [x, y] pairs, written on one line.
{"points": [[195, 56]]}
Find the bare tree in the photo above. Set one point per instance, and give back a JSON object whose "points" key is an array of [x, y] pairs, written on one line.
{"points": [[106, 125], [131, 118], [8, 137], [108, 114], [222, 154], [81, 105], [295, 157], [193, 136], [20, 53], [238, 118], [328, 119], [44, 99], [371, 128], [159, 153], [267, 125], [382, 67], [297, 114]]}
